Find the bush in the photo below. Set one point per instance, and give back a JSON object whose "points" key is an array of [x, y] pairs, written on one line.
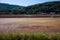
{"points": [[55, 37], [29, 36]]}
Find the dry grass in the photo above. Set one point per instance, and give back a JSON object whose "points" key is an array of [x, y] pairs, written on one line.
{"points": [[30, 24]]}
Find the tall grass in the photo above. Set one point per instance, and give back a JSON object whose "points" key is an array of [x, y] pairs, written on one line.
{"points": [[30, 36]]}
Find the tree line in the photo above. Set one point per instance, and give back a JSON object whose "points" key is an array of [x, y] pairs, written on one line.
{"points": [[41, 8]]}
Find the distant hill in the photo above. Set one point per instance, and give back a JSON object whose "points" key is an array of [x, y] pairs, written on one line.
{"points": [[7, 6], [46, 7]]}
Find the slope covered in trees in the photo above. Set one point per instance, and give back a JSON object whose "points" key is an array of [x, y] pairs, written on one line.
{"points": [[40, 8], [9, 9]]}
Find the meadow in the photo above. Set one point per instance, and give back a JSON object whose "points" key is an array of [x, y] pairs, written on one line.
{"points": [[29, 28], [30, 36], [29, 24]]}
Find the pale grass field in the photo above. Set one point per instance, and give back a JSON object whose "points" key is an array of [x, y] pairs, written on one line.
{"points": [[29, 24]]}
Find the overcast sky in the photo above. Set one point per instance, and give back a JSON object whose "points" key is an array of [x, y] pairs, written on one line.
{"points": [[24, 2]]}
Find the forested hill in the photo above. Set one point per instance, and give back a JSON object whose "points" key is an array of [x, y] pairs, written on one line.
{"points": [[46, 7], [9, 9]]}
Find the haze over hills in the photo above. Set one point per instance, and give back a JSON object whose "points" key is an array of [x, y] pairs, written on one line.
{"points": [[8, 6], [46, 7]]}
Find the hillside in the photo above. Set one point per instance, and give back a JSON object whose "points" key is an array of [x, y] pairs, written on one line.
{"points": [[7, 8], [46, 7]]}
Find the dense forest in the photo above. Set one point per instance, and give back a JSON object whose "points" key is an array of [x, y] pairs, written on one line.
{"points": [[41, 8]]}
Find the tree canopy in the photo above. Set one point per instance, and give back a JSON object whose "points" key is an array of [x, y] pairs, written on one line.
{"points": [[46, 7]]}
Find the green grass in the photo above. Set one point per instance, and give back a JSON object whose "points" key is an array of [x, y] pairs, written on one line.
{"points": [[29, 36]]}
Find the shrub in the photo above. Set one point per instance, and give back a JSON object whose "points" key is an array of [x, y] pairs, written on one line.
{"points": [[29, 36]]}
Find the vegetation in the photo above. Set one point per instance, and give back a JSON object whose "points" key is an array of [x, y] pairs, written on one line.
{"points": [[46, 7], [30, 36]]}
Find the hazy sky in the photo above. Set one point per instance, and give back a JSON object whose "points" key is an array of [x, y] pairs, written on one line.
{"points": [[24, 2]]}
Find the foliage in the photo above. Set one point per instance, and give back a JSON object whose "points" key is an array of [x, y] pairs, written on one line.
{"points": [[29, 36], [46, 7]]}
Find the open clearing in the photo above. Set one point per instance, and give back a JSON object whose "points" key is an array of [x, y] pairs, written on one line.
{"points": [[29, 24]]}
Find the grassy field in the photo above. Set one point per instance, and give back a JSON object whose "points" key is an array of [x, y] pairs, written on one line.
{"points": [[29, 24], [29, 28], [30, 36]]}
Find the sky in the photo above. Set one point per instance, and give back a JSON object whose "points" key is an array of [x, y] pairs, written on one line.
{"points": [[24, 2]]}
